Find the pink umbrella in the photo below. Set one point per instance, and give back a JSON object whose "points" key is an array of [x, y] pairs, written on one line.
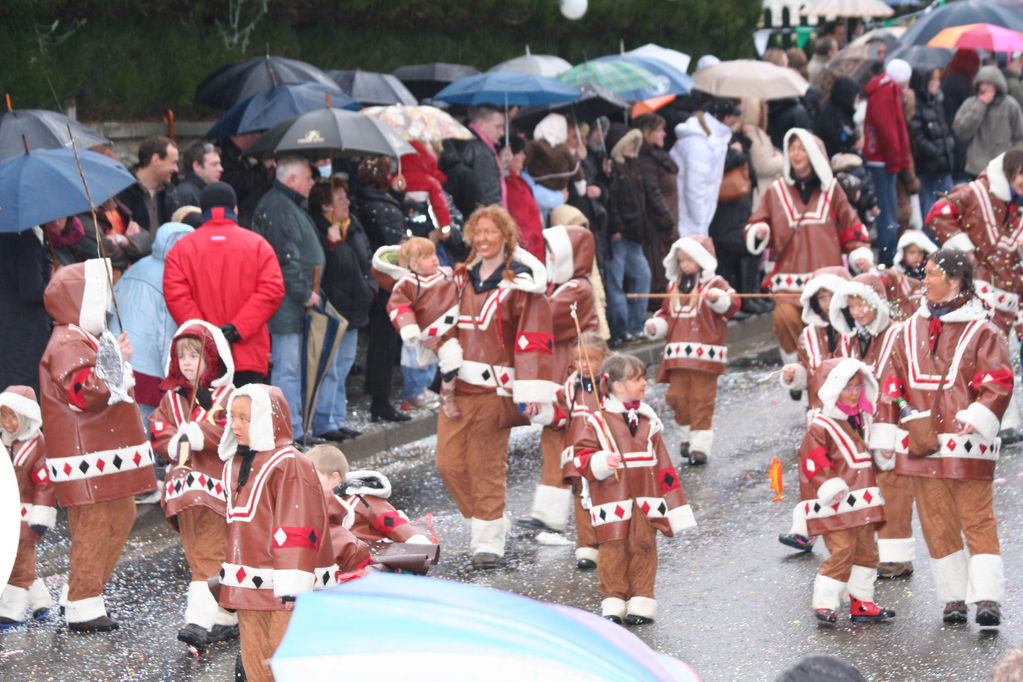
{"points": [[979, 37]]}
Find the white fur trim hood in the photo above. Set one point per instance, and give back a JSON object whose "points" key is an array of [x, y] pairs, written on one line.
{"points": [[912, 238], [387, 267], [838, 376], [818, 158], [692, 247], [840, 302], [261, 429], [223, 350], [824, 280], [997, 182], [28, 412]]}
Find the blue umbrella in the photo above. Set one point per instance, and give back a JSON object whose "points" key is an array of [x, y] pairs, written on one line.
{"points": [[43, 185], [405, 627], [266, 109], [509, 88], [671, 81]]}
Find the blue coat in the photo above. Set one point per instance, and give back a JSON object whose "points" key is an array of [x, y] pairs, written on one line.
{"points": [[144, 311]]}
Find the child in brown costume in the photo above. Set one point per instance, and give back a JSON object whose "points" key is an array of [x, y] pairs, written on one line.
{"points": [[20, 421], [634, 491], [278, 542], [194, 504], [695, 322], [839, 492]]}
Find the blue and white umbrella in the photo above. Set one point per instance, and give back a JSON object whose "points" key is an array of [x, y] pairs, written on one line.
{"points": [[508, 88], [387, 626], [669, 80]]}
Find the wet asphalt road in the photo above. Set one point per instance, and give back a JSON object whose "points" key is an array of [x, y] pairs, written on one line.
{"points": [[732, 602]]}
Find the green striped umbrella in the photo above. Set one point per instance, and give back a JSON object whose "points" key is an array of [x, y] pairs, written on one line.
{"points": [[615, 75]]}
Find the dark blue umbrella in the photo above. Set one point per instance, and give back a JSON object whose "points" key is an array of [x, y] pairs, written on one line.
{"points": [[43, 185], [960, 13], [238, 81], [370, 88], [923, 56], [266, 109], [670, 81], [509, 88]]}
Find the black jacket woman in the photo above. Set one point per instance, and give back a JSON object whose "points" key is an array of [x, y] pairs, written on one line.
{"points": [[383, 217], [931, 138]]}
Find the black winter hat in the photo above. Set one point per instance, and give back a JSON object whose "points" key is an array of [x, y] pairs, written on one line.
{"points": [[720, 107], [217, 194]]}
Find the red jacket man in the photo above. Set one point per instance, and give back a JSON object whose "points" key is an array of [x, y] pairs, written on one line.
{"points": [[229, 276]]}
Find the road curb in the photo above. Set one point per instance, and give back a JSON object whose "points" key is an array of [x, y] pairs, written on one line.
{"points": [[749, 340]]}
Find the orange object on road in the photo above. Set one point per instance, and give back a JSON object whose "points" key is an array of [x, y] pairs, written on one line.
{"points": [[774, 473]]}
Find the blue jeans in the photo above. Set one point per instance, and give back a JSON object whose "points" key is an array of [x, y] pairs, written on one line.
{"points": [[332, 405], [887, 222], [929, 186], [416, 379], [627, 272], [286, 354]]}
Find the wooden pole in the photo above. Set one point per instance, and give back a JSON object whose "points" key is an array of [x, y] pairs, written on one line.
{"points": [[693, 293], [101, 249]]}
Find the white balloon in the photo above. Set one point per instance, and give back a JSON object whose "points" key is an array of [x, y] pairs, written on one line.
{"points": [[573, 9]]}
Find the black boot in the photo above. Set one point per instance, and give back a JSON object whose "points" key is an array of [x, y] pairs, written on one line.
{"points": [[381, 408], [99, 624], [194, 636]]}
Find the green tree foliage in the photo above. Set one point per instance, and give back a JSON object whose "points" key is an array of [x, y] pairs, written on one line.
{"points": [[131, 59]]}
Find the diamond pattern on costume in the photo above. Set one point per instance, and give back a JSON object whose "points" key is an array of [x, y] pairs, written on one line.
{"points": [[790, 281], [236, 575], [104, 462], [611, 512], [856, 500], [696, 351], [202, 483], [653, 507], [302, 537]]}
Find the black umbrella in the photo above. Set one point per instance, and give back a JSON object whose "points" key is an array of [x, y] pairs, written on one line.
{"points": [[426, 80], [42, 129], [325, 133], [594, 101], [923, 56], [961, 13], [370, 88], [241, 80]]}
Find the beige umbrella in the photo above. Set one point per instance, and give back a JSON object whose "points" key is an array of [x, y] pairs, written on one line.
{"points": [[847, 8], [749, 78]]}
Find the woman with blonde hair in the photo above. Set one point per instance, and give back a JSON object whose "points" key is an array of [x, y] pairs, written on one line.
{"points": [[503, 349]]}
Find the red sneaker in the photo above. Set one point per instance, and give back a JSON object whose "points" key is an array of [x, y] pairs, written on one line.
{"points": [[868, 612]]}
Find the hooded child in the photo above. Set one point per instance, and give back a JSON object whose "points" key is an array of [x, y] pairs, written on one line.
{"points": [[570, 256], [97, 452], [634, 491], [278, 543], [195, 502], [839, 493], [694, 320], [20, 424]]}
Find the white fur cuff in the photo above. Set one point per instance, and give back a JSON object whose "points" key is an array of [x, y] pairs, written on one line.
{"points": [[450, 356], [960, 242], [196, 439], [882, 437], [42, 516], [830, 489], [884, 462], [987, 579], [859, 254], [642, 606], [753, 245], [613, 606], [419, 539], [533, 391], [289, 582], [896, 550], [981, 419], [599, 466], [798, 382], [720, 306], [681, 518], [82, 610], [409, 333], [660, 327], [546, 415]]}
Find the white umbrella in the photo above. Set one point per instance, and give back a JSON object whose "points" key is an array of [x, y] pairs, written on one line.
{"points": [[847, 8], [679, 60], [546, 65], [749, 78]]}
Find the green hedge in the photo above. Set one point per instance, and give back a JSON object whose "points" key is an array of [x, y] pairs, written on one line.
{"points": [[131, 59]]}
